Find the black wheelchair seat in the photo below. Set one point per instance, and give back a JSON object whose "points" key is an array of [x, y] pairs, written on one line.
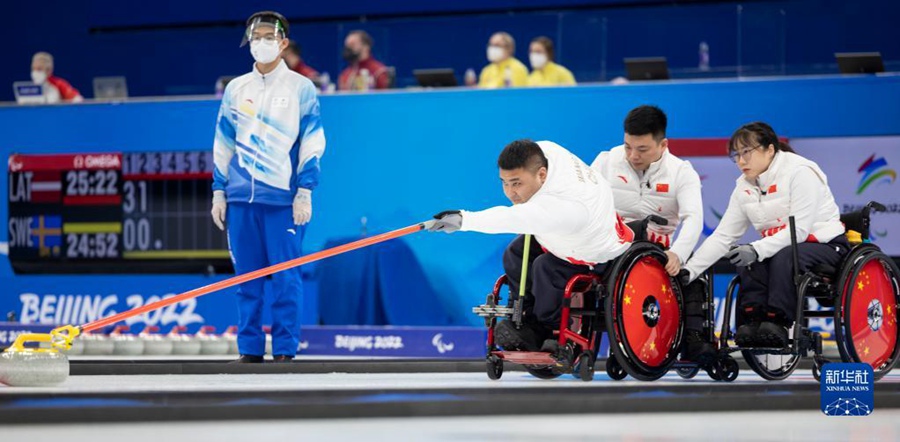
{"points": [[825, 271]]}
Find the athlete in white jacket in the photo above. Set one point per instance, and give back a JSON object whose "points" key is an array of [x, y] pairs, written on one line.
{"points": [[647, 179], [776, 183], [569, 209]]}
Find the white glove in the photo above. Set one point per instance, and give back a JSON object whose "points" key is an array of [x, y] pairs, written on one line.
{"points": [[742, 255], [302, 206], [447, 221], [218, 208]]}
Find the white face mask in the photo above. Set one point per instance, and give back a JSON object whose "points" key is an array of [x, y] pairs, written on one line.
{"points": [[537, 60], [38, 77], [495, 53], [264, 52]]}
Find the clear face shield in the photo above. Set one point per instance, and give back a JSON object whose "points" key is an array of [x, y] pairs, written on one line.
{"points": [[265, 28]]}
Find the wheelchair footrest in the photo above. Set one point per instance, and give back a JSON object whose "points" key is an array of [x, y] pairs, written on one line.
{"points": [[526, 357], [492, 311], [770, 350]]}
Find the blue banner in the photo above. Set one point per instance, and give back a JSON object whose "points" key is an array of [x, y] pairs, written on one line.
{"points": [[52, 300], [410, 342], [419, 342]]}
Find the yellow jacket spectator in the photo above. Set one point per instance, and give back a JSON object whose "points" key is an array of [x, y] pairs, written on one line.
{"points": [[504, 70], [545, 72]]}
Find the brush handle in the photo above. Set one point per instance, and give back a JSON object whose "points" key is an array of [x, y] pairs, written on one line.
{"points": [[242, 278]]}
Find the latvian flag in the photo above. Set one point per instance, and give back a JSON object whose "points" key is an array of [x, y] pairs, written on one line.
{"points": [[46, 186]]}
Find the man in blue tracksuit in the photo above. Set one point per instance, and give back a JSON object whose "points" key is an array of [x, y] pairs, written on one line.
{"points": [[268, 143]]}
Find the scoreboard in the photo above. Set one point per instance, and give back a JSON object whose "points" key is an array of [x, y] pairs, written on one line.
{"points": [[113, 213]]}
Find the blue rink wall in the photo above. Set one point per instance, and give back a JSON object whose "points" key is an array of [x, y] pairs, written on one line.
{"points": [[396, 158]]}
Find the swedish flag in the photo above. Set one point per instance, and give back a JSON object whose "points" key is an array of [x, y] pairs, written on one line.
{"points": [[46, 234]]}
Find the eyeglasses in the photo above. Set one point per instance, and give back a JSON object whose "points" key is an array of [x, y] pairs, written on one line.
{"points": [[269, 38], [744, 154]]}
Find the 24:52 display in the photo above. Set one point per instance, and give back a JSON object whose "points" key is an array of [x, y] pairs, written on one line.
{"points": [[92, 245]]}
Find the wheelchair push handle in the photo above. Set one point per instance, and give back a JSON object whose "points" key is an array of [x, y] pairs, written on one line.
{"points": [[857, 223], [639, 227], [876, 206], [872, 206], [656, 219]]}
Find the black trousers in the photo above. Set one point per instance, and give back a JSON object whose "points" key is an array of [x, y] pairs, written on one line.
{"points": [[546, 281], [767, 287]]}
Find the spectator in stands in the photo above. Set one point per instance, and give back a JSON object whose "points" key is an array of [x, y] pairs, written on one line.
{"points": [[505, 70], [364, 72], [55, 89], [544, 71], [294, 61]]}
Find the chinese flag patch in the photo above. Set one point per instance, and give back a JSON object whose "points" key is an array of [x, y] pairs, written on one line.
{"points": [[663, 188], [773, 188]]}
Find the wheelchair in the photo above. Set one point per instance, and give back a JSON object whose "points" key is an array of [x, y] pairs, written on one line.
{"points": [[634, 300], [863, 294], [721, 366]]}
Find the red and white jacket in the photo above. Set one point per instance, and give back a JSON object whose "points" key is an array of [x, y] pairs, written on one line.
{"points": [[669, 188], [56, 89], [792, 185]]}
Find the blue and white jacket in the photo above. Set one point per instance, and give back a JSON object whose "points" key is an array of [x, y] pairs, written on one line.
{"points": [[269, 138]]}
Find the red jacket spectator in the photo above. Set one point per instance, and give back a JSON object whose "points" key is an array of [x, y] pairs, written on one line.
{"points": [[353, 79], [64, 90], [358, 53], [55, 89]]}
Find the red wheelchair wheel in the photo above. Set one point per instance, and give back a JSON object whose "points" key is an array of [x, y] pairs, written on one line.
{"points": [[867, 316], [644, 314]]}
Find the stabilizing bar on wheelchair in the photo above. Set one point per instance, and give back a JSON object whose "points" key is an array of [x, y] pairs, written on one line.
{"points": [[492, 311]]}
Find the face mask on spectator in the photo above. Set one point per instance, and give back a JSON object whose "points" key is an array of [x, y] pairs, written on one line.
{"points": [[350, 55], [38, 77], [264, 51], [537, 59], [495, 53]]}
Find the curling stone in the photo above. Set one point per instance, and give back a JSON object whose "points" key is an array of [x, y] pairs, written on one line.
{"points": [[154, 343], [124, 343], [28, 367], [210, 342], [183, 344], [97, 344]]}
